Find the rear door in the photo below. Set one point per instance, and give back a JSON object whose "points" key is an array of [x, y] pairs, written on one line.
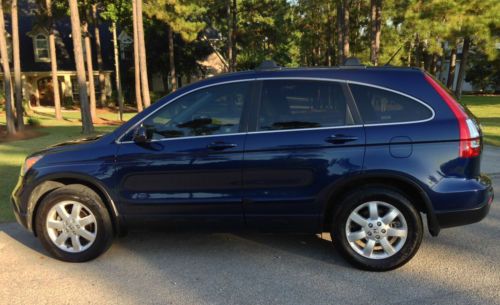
{"points": [[305, 137]]}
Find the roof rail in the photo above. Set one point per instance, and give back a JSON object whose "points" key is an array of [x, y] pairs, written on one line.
{"points": [[268, 65]]}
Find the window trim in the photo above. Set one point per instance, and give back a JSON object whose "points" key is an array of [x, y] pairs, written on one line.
{"points": [[256, 99], [36, 48]]}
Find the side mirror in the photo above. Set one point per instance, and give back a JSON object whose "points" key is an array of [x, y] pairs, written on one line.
{"points": [[141, 135]]}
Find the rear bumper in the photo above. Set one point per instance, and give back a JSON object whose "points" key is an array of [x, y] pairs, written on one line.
{"points": [[461, 217]]}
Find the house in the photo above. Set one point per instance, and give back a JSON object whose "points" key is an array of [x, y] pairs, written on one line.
{"points": [[35, 58]]}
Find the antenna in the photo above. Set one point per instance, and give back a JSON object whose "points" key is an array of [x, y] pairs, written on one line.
{"points": [[394, 55]]}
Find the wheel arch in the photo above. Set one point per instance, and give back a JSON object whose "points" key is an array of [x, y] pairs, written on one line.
{"points": [[398, 181], [52, 182]]}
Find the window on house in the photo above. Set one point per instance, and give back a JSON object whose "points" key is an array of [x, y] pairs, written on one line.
{"points": [[41, 44]]}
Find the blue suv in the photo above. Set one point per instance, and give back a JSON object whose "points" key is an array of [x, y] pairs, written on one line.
{"points": [[362, 153]]}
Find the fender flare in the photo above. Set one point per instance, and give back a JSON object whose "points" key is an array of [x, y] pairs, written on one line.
{"points": [[47, 183], [338, 186]]}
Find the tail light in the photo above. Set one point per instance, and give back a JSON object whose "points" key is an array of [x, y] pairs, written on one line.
{"points": [[470, 139]]}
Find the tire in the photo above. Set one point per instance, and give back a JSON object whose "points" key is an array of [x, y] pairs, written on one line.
{"points": [[392, 248], [82, 233]]}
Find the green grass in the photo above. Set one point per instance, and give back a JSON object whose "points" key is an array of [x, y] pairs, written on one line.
{"points": [[13, 153], [487, 109]]}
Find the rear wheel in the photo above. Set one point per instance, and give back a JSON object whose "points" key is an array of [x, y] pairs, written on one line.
{"points": [[73, 224], [377, 228]]}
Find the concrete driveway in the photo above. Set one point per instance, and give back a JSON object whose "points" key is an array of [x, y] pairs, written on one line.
{"points": [[461, 266]]}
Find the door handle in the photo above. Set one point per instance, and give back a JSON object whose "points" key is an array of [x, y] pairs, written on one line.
{"points": [[221, 145], [340, 139]]}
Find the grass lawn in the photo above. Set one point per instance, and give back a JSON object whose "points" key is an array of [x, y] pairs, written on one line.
{"points": [[12, 154], [487, 109]]}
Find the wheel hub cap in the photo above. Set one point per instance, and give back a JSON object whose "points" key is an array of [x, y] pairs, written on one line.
{"points": [[71, 226], [376, 230]]}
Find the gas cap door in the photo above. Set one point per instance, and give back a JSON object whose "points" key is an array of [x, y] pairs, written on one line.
{"points": [[401, 147]]}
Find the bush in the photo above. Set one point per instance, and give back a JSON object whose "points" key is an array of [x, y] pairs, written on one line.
{"points": [[33, 122]]}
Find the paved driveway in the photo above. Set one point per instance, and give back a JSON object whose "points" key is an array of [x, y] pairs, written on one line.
{"points": [[461, 266]]}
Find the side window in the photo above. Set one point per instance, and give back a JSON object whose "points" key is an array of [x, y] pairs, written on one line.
{"points": [[211, 111], [294, 104], [378, 106]]}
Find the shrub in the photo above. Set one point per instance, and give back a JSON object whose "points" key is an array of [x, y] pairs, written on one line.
{"points": [[33, 122]]}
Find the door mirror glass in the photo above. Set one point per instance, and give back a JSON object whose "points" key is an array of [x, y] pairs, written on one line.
{"points": [[142, 135]]}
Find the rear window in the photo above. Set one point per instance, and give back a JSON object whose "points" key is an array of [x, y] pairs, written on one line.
{"points": [[378, 106]]}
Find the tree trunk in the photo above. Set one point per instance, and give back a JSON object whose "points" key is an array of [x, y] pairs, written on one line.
{"points": [[142, 56], [53, 61], [173, 76], [340, 34], [235, 28], [137, 68], [117, 70], [346, 35], [7, 80], [451, 70], [433, 68], [376, 25], [87, 126], [90, 71], [97, 33], [229, 34], [463, 67], [17, 67]]}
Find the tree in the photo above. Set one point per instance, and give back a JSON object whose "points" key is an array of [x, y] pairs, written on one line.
{"points": [[87, 126], [53, 60], [137, 65], [474, 22], [17, 66], [90, 67], [142, 55], [376, 27], [231, 35], [97, 34], [117, 11], [181, 16], [7, 81], [483, 72], [451, 69]]}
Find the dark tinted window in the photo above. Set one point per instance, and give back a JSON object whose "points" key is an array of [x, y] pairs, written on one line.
{"points": [[382, 106], [291, 104], [210, 111]]}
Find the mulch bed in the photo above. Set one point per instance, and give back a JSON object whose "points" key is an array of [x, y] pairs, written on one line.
{"points": [[28, 133]]}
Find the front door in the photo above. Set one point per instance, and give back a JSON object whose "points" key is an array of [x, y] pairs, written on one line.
{"points": [[305, 138], [191, 169]]}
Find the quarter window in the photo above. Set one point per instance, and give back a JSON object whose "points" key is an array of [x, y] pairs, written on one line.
{"points": [[298, 104], [378, 106], [211, 111]]}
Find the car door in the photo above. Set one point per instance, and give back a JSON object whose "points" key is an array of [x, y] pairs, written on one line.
{"points": [[304, 138], [190, 170]]}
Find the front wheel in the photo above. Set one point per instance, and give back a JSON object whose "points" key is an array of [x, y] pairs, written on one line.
{"points": [[377, 228], [73, 224]]}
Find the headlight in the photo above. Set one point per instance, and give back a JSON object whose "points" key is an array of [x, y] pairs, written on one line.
{"points": [[29, 162]]}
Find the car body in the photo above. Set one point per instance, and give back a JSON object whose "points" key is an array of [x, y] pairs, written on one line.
{"points": [[283, 148]]}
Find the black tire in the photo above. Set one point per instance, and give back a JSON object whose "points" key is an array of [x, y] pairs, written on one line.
{"points": [[88, 198], [385, 194]]}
